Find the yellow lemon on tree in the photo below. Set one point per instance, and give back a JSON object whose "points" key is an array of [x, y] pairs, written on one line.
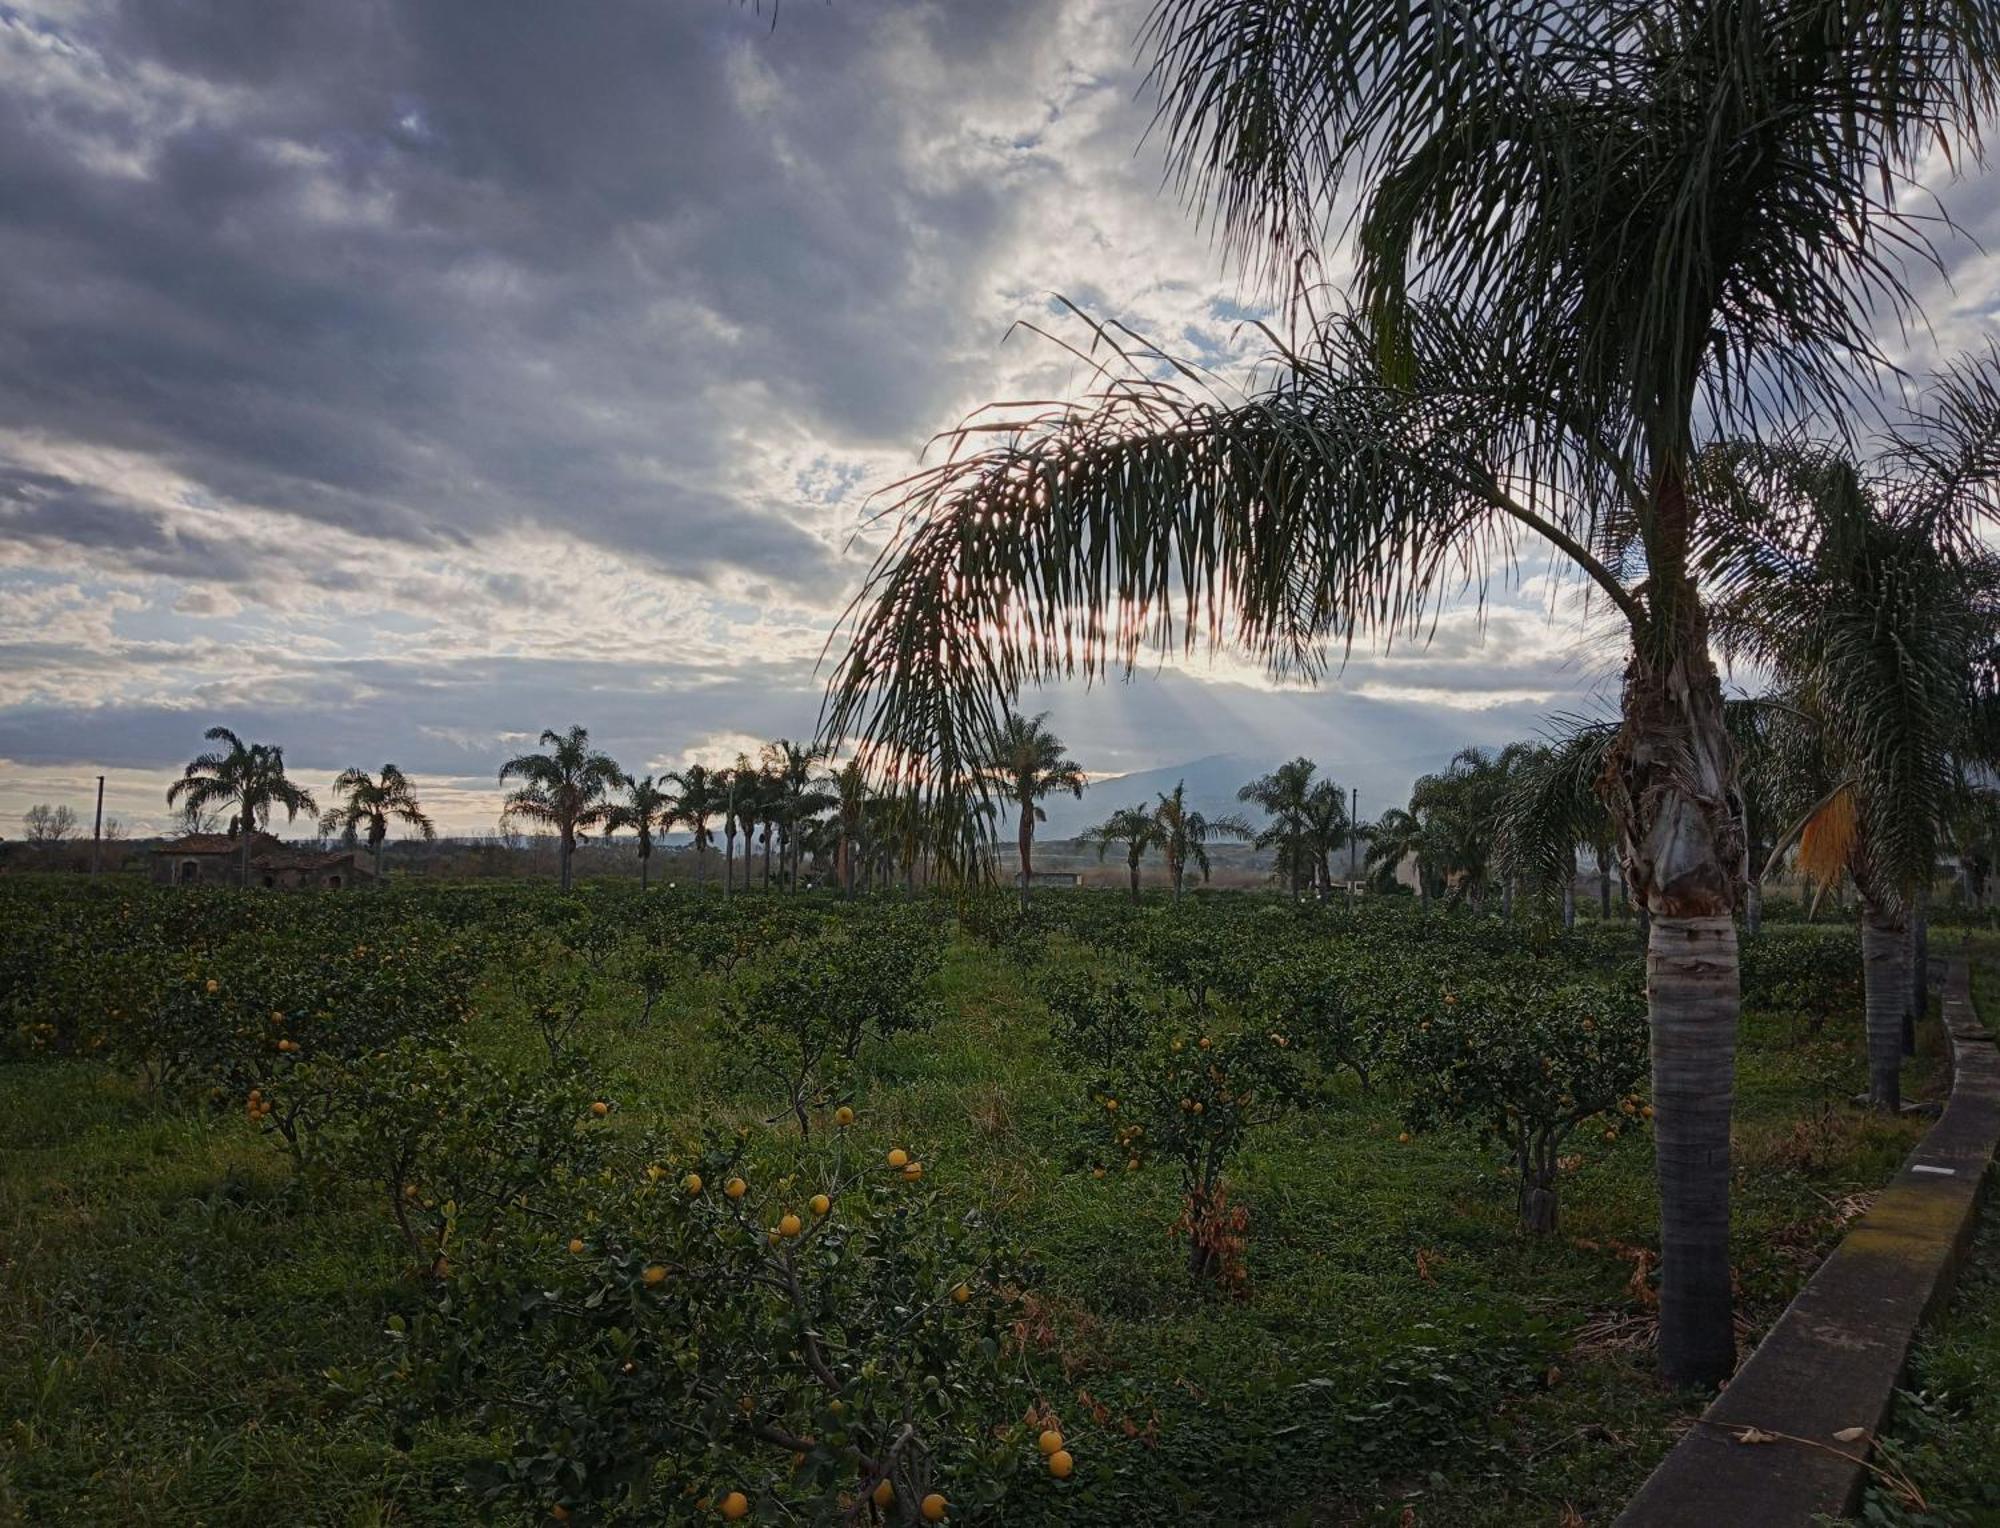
{"points": [[735, 1505], [821, 1204], [789, 1225], [934, 1508], [1050, 1441], [736, 1188], [898, 1157], [1060, 1464]]}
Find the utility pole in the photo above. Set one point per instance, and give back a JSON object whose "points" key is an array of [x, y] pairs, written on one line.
{"points": [[1353, 837], [97, 833]]}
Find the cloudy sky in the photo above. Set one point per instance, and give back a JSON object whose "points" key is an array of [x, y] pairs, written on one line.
{"points": [[394, 380]]}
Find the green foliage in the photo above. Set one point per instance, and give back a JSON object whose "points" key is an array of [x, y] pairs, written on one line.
{"points": [[1525, 1064], [666, 1342]]}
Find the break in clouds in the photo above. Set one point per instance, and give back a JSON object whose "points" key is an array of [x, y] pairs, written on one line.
{"points": [[392, 381]]}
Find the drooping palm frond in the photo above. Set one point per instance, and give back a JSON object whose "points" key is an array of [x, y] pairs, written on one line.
{"points": [[1550, 805]]}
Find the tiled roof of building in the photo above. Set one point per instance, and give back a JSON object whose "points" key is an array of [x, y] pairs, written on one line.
{"points": [[216, 843]]}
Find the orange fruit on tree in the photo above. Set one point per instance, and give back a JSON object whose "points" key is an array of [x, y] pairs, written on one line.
{"points": [[600, 1108], [898, 1157], [821, 1204], [883, 1494], [654, 1275], [736, 1188], [576, 1244], [1050, 1441], [789, 1225], [912, 1172], [934, 1507], [692, 1183], [961, 1294], [735, 1505], [843, 1116], [1060, 1464]]}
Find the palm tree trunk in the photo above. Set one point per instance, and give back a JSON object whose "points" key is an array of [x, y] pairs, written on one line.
{"points": [[1753, 906], [1886, 988], [728, 861], [1132, 864], [563, 846], [245, 830], [1569, 902], [1669, 786], [1920, 967], [645, 868], [1603, 886], [1507, 900], [1026, 837], [381, 842]]}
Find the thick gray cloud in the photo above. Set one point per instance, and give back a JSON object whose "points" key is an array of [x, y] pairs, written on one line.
{"points": [[392, 380]]}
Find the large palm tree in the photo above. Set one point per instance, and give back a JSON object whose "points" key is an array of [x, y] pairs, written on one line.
{"points": [[1027, 763], [1328, 823], [1583, 235], [1398, 836], [368, 802], [1183, 834], [648, 811], [1135, 828], [567, 788], [1877, 607], [700, 793], [1282, 796], [247, 776]]}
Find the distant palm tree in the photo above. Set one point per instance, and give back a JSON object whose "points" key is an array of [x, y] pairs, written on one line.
{"points": [[1324, 816], [1132, 826], [1550, 805], [248, 776], [848, 786], [796, 798], [369, 802], [1027, 763], [1398, 837], [1183, 834], [1282, 796], [646, 810], [702, 793], [567, 788]]}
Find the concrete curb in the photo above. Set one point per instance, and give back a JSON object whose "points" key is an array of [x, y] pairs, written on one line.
{"points": [[1834, 1358]]}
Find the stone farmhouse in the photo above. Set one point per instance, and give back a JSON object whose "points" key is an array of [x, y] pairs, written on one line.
{"points": [[216, 859]]}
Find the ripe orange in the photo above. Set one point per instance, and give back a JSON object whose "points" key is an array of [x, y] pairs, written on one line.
{"points": [[214, 986], [789, 1225], [1060, 1464], [600, 1108], [654, 1275], [1204, 1042], [1403, 1137], [934, 1508], [883, 1494], [821, 1204], [692, 1183], [735, 1505], [961, 1294], [736, 1188], [1050, 1441], [843, 1116], [898, 1157], [576, 1244], [912, 1172]]}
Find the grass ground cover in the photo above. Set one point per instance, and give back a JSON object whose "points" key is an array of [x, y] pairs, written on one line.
{"points": [[194, 1326], [1944, 1433]]}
